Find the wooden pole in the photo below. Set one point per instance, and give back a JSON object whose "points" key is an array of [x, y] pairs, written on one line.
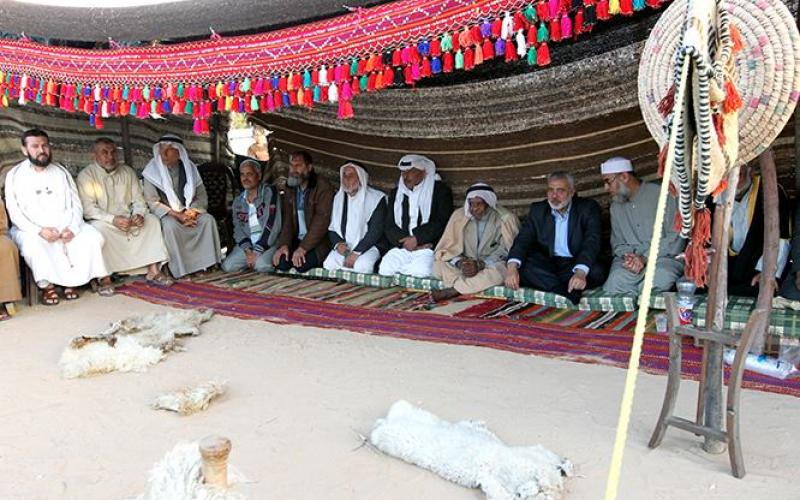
{"points": [[797, 130], [769, 184], [214, 451], [125, 133], [710, 397]]}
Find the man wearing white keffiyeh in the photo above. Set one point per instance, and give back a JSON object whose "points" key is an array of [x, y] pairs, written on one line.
{"points": [[471, 255], [175, 193], [419, 209], [356, 222]]}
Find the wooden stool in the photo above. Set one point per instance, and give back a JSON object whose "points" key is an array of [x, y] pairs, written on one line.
{"points": [[758, 319]]}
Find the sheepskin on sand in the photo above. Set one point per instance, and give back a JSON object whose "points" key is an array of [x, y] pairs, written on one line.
{"points": [[131, 344], [468, 454], [190, 399], [178, 476]]}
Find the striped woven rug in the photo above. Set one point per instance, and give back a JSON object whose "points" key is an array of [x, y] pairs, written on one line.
{"points": [[317, 289], [571, 318], [575, 344]]}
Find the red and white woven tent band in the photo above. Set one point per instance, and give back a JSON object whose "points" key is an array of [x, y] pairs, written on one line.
{"points": [[355, 35]]}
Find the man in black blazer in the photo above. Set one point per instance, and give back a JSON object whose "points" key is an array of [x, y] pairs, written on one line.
{"points": [[557, 248]]}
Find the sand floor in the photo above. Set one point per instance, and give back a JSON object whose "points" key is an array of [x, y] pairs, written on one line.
{"points": [[298, 398]]}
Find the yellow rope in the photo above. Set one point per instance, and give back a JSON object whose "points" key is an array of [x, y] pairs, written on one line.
{"points": [[612, 483]]}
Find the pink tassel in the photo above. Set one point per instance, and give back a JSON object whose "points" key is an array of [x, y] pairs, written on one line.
{"points": [[566, 27]]}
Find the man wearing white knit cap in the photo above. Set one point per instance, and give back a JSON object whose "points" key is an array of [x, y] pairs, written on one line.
{"points": [[633, 212], [471, 256], [175, 193], [419, 208]]}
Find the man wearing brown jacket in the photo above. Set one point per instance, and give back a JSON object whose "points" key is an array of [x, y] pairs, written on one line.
{"points": [[306, 213]]}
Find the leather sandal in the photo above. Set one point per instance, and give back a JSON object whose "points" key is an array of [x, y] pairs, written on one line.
{"points": [[50, 296], [70, 293]]}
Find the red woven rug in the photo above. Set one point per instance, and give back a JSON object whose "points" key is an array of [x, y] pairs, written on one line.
{"points": [[575, 344]]}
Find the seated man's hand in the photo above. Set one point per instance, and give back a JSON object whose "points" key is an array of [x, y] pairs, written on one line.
{"points": [[635, 263], [137, 220], [350, 260], [67, 235], [122, 223], [250, 257], [50, 234], [299, 257], [282, 251], [409, 243], [512, 277], [578, 281], [469, 267], [341, 247], [757, 278]]}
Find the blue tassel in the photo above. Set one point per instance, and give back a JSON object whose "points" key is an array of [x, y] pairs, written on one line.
{"points": [[275, 81], [424, 48], [317, 93], [436, 65], [500, 47], [95, 107], [307, 79], [91, 120], [87, 91], [638, 4], [125, 92], [133, 109], [157, 93], [232, 87], [166, 107], [486, 29], [285, 99]]}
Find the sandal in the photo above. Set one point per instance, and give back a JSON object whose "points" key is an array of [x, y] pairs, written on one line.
{"points": [[70, 293], [160, 279], [50, 296], [105, 287]]}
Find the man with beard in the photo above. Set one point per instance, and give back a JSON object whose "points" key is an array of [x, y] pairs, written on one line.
{"points": [[303, 242], [471, 256], [419, 208], [633, 212], [747, 235], [256, 222], [175, 193], [58, 246], [559, 242], [114, 204], [356, 227]]}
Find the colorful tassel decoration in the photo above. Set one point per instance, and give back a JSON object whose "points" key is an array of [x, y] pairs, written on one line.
{"points": [[543, 55]]}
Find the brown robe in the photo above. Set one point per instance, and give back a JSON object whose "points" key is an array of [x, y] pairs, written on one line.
{"points": [[9, 263]]}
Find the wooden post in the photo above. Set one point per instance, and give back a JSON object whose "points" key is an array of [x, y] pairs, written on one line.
{"points": [[769, 185], [125, 135], [710, 396], [215, 136], [214, 451], [797, 131]]}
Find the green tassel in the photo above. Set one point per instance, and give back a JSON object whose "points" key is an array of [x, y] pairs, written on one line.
{"points": [[125, 92], [532, 56], [146, 93], [131, 111], [459, 60], [8, 77], [78, 90], [254, 103], [180, 90], [543, 35], [307, 79], [363, 83], [354, 67], [447, 42], [189, 108], [245, 87], [153, 108], [530, 13], [39, 97]]}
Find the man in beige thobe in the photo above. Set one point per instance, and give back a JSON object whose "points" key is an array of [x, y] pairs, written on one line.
{"points": [[114, 204], [175, 193], [10, 291], [471, 254]]}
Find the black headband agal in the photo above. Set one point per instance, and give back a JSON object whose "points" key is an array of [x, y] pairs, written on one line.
{"points": [[482, 187], [171, 138]]}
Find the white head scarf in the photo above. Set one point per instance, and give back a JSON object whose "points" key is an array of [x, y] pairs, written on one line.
{"points": [[421, 197], [158, 174], [482, 191], [359, 207]]}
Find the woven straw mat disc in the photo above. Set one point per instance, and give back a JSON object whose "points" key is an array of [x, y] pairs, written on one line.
{"points": [[767, 70]]}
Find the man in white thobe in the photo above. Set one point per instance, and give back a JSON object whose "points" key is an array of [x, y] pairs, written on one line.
{"points": [[356, 226], [176, 194], [113, 204], [48, 227]]}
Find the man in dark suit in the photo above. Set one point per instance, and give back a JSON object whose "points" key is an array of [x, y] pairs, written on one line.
{"points": [[557, 248]]}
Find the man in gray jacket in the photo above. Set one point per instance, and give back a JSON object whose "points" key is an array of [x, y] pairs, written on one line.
{"points": [[256, 222]]}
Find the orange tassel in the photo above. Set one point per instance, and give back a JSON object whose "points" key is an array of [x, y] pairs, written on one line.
{"points": [[662, 160], [717, 120], [667, 102], [696, 258], [723, 185], [736, 38], [733, 101]]}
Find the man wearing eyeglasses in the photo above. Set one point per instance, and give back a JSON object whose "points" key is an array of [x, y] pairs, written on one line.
{"points": [[557, 248], [633, 212]]}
